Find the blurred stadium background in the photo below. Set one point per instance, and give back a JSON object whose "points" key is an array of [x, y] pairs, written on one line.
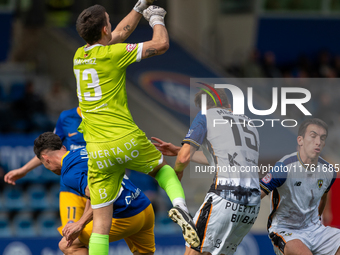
{"points": [[216, 38]]}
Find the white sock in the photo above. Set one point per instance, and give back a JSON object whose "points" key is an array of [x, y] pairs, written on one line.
{"points": [[180, 202]]}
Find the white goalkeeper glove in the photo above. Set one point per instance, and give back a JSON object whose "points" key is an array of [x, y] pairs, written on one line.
{"points": [[155, 15], [141, 5]]}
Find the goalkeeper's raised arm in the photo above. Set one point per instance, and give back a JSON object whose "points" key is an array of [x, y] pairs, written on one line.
{"points": [[160, 39], [125, 28]]}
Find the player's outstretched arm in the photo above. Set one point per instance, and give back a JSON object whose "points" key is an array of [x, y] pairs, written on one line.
{"points": [[160, 39], [125, 28], [167, 149], [183, 159], [12, 176]]}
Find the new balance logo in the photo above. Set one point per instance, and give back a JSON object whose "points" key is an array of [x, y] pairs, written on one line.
{"points": [[297, 184]]}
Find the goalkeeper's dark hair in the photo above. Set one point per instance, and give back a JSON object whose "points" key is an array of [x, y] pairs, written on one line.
{"points": [[90, 23], [47, 141], [315, 121], [210, 101]]}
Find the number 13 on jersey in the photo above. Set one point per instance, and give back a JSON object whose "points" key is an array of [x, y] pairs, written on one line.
{"points": [[84, 79]]}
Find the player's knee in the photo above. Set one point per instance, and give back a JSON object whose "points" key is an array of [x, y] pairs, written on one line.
{"points": [[63, 245]]}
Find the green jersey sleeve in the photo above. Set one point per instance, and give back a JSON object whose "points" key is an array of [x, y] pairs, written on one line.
{"points": [[124, 54]]}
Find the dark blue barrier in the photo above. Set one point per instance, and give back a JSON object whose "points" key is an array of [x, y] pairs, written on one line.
{"points": [[289, 38], [165, 245], [5, 28]]}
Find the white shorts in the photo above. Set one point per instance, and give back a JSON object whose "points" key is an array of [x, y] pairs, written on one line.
{"points": [[222, 224], [319, 239]]}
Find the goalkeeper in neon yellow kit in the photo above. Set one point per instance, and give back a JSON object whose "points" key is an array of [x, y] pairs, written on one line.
{"points": [[114, 142]]}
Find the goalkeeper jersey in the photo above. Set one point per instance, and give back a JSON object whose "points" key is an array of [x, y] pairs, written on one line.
{"points": [[100, 72]]}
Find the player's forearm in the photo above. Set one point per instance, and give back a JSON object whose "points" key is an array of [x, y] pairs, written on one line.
{"points": [[263, 194], [125, 28], [183, 159], [161, 37], [87, 215], [159, 43], [30, 165], [199, 158], [180, 166]]}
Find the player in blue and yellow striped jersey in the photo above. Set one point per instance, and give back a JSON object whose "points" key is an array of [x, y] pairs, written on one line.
{"points": [[133, 216], [71, 205]]}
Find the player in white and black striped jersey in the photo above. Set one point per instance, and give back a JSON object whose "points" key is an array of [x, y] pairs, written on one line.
{"points": [[231, 206], [299, 193]]}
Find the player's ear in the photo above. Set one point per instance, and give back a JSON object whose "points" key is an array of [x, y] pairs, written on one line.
{"points": [[106, 30], [300, 140]]}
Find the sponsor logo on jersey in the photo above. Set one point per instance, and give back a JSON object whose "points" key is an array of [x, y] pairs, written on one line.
{"points": [[320, 182], [189, 133], [131, 47], [267, 178], [72, 134], [232, 160]]}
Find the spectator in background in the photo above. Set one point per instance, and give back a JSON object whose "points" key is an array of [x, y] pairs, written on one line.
{"points": [[325, 109], [53, 101], [252, 67], [27, 31], [269, 66], [324, 64], [337, 65], [29, 112]]}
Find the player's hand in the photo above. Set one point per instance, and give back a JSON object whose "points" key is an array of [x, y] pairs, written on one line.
{"points": [[14, 175], [71, 232], [167, 149], [141, 5], [155, 15]]}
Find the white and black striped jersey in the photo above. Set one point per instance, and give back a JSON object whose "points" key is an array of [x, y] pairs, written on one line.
{"points": [[296, 191], [231, 145]]}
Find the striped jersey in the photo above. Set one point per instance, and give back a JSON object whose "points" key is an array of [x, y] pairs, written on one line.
{"points": [[231, 145]]}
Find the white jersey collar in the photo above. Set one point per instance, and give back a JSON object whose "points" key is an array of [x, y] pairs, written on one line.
{"points": [[92, 46]]}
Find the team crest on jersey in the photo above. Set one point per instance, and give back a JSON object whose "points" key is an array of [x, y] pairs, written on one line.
{"points": [[320, 182], [130, 47], [85, 55], [267, 178]]}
